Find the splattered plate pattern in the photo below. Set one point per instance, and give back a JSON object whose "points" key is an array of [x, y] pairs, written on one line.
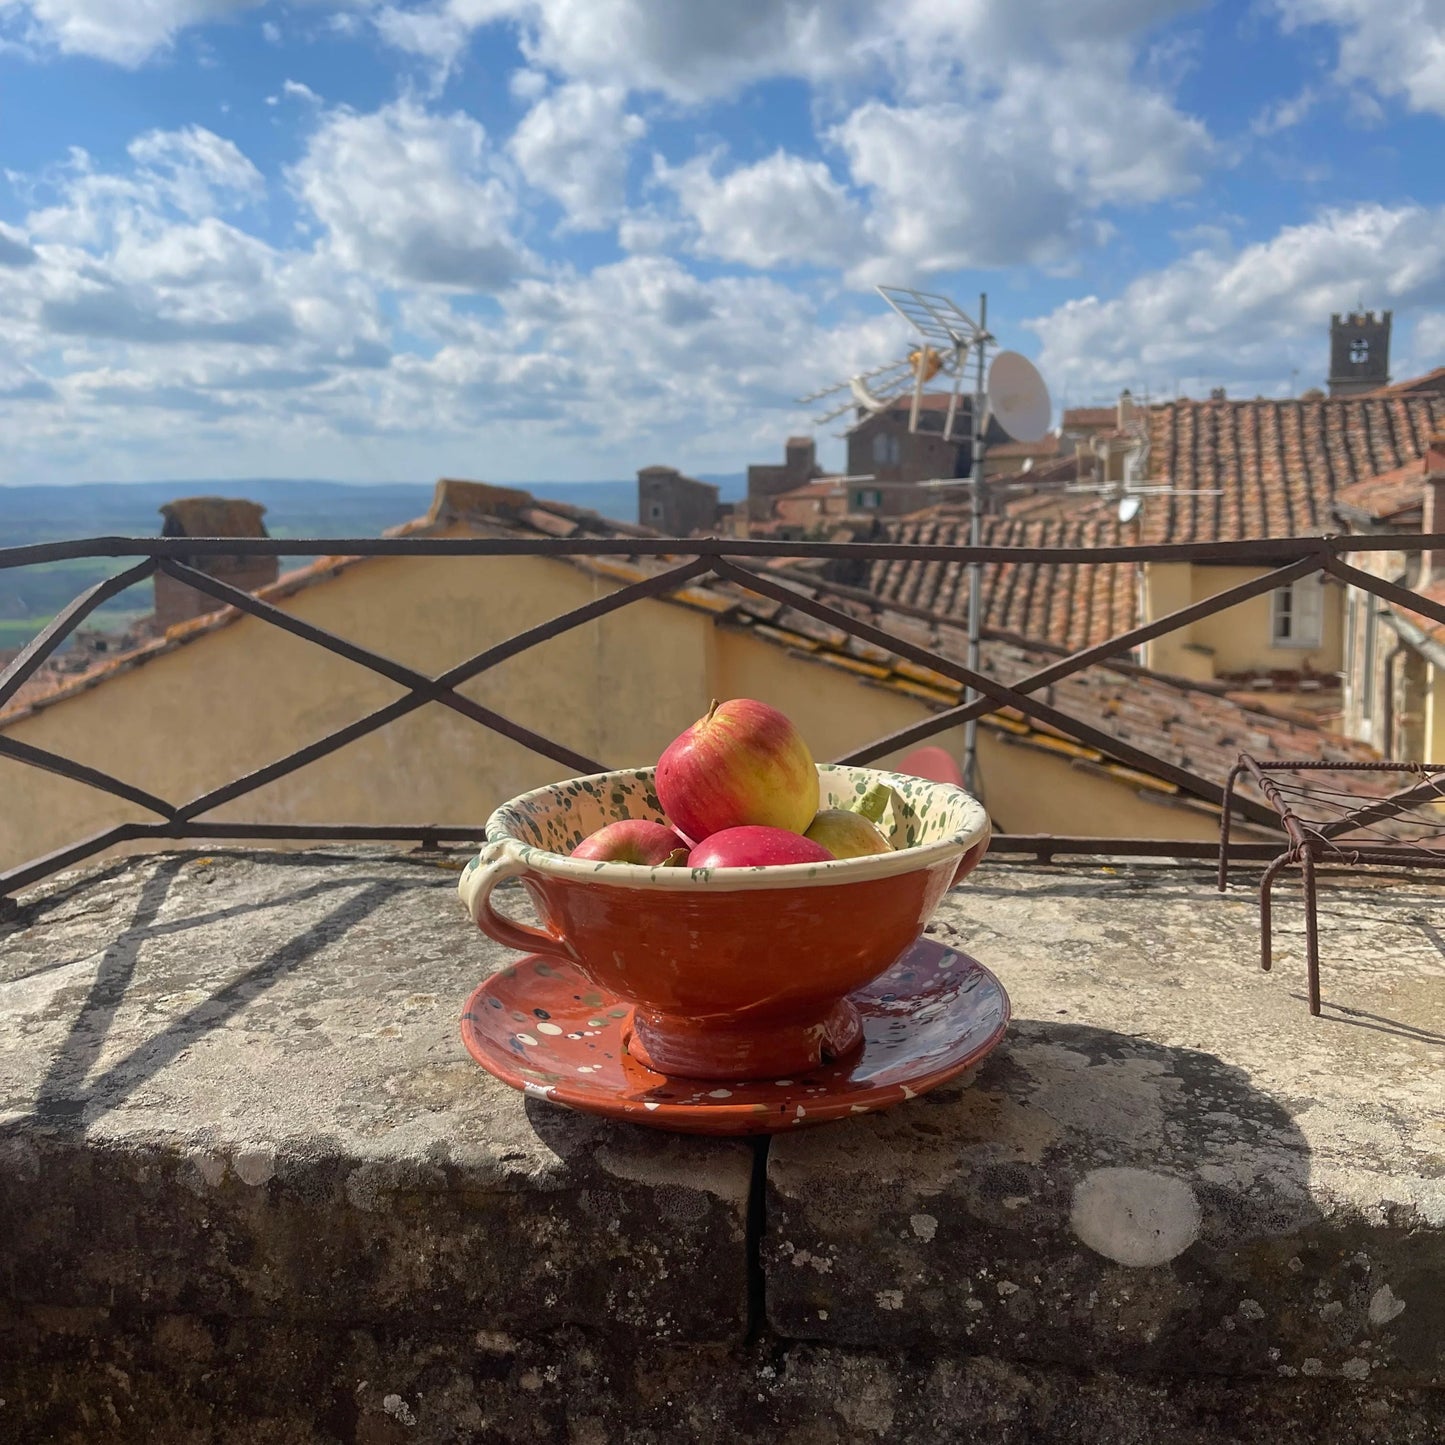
{"points": [[540, 1027]]}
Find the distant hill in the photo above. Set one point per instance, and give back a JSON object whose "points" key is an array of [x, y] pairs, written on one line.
{"points": [[30, 596]]}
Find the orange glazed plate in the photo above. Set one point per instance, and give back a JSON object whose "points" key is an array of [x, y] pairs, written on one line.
{"points": [[539, 1026]]}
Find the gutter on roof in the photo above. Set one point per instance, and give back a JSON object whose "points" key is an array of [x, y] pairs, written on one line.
{"points": [[1412, 636]]}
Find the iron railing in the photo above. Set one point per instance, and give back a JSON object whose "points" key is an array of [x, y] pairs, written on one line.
{"points": [[1327, 826], [692, 559]]}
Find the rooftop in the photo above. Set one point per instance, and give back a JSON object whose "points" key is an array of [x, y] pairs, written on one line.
{"points": [[1278, 464], [1195, 727], [1072, 604], [1090, 417], [1171, 1206]]}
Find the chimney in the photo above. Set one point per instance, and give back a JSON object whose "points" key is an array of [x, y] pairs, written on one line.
{"points": [[1432, 519], [211, 517]]}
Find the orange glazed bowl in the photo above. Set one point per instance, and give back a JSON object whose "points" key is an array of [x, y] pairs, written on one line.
{"points": [[732, 973]]}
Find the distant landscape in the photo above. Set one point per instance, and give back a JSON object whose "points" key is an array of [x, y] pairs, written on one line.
{"points": [[31, 596]]}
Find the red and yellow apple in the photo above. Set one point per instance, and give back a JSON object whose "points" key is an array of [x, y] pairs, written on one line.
{"points": [[755, 847], [632, 840], [743, 765]]}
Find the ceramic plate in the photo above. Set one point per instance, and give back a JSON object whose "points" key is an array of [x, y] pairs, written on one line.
{"points": [[540, 1027]]}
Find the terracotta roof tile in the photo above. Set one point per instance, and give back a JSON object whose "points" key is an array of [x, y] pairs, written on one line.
{"points": [[1278, 465], [1391, 494], [1090, 417], [1415, 385], [1072, 604]]}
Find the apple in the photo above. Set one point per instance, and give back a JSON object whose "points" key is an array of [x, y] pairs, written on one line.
{"points": [[632, 840], [743, 765], [846, 834], [756, 847]]}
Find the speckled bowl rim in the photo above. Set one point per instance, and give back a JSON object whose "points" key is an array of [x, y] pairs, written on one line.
{"points": [[789, 875]]}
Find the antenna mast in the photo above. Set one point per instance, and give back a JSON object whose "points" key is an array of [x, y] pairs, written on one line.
{"points": [[975, 536]]}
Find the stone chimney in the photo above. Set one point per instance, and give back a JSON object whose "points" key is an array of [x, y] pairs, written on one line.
{"points": [[211, 517], [1432, 519]]}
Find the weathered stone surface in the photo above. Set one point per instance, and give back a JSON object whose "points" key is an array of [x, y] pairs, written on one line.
{"points": [[85, 1378], [252, 1188], [235, 1087], [1169, 1164]]}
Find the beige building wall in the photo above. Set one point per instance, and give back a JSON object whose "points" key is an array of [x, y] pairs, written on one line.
{"points": [[1237, 639], [1434, 716], [617, 690]]}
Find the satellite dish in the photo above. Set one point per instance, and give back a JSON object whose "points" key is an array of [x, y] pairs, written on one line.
{"points": [[1018, 398], [1129, 508]]}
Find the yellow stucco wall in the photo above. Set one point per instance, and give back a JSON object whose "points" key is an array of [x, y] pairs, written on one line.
{"points": [[1434, 715], [1237, 639], [617, 690]]}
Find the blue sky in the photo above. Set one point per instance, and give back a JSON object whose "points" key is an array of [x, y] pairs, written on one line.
{"points": [[547, 239]]}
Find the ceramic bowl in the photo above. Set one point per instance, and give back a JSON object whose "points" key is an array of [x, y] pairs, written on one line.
{"points": [[732, 973]]}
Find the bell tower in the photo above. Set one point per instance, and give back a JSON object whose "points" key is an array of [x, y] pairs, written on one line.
{"points": [[1359, 352]]}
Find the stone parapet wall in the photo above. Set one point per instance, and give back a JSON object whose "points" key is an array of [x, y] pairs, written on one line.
{"points": [[252, 1187]]}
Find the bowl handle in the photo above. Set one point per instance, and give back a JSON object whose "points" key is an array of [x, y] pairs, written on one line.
{"points": [[491, 866]]}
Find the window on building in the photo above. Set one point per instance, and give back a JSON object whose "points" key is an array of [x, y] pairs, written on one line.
{"points": [[868, 500], [1359, 351], [654, 512], [1298, 617], [886, 449]]}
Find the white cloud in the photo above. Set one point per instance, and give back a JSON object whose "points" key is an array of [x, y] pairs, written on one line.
{"points": [[15, 248], [639, 356], [1018, 176], [1285, 114], [1427, 344], [574, 144], [193, 172], [695, 52], [1398, 47], [527, 84], [413, 198], [436, 36], [195, 168], [127, 33], [1242, 315], [781, 211], [130, 298], [299, 90]]}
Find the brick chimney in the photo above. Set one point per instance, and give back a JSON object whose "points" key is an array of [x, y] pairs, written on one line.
{"points": [[211, 517], [1432, 520]]}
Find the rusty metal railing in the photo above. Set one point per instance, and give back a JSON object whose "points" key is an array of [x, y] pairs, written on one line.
{"points": [[691, 559], [1328, 827]]}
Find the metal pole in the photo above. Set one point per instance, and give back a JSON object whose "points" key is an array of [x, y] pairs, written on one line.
{"points": [[971, 779]]}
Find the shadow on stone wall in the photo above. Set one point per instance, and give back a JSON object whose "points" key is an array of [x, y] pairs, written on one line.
{"points": [[67, 1094]]}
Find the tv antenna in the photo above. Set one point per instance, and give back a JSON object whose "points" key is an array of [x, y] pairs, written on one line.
{"points": [[1131, 487], [946, 336]]}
